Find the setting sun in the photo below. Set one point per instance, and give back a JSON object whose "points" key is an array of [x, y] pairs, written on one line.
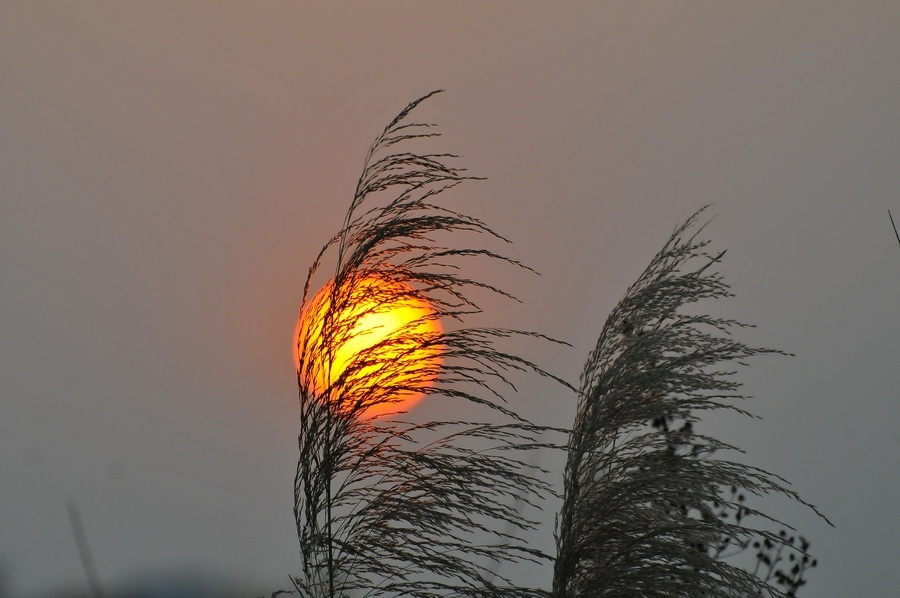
{"points": [[380, 313]]}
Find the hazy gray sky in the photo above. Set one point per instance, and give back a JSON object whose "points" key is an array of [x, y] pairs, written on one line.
{"points": [[168, 171]]}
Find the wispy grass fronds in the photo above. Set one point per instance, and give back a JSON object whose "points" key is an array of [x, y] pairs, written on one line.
{"points": [[391, 508], [386, 507], [643, 491]]}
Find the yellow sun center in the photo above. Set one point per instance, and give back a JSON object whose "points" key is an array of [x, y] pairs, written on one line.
{"points": [[384, 334]]}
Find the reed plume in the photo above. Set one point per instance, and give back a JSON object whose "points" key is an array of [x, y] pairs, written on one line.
{"points": [[386, 507]]}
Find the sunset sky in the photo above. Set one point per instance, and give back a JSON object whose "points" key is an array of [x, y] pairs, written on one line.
{"points": [[169, 170]]}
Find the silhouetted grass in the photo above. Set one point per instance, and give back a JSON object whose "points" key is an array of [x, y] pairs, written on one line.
{"points": [[649, 506]]}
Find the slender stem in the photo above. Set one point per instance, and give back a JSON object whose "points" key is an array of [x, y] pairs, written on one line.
{"points": [[328, 474], [84, 551], [894, 225]]}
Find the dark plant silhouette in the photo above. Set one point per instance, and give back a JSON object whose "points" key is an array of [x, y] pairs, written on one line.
{"points": [[387, 507], [896, 234], [644, 509]]}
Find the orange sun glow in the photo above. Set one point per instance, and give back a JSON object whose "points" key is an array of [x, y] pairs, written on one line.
{"points": [[382, 308]]}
